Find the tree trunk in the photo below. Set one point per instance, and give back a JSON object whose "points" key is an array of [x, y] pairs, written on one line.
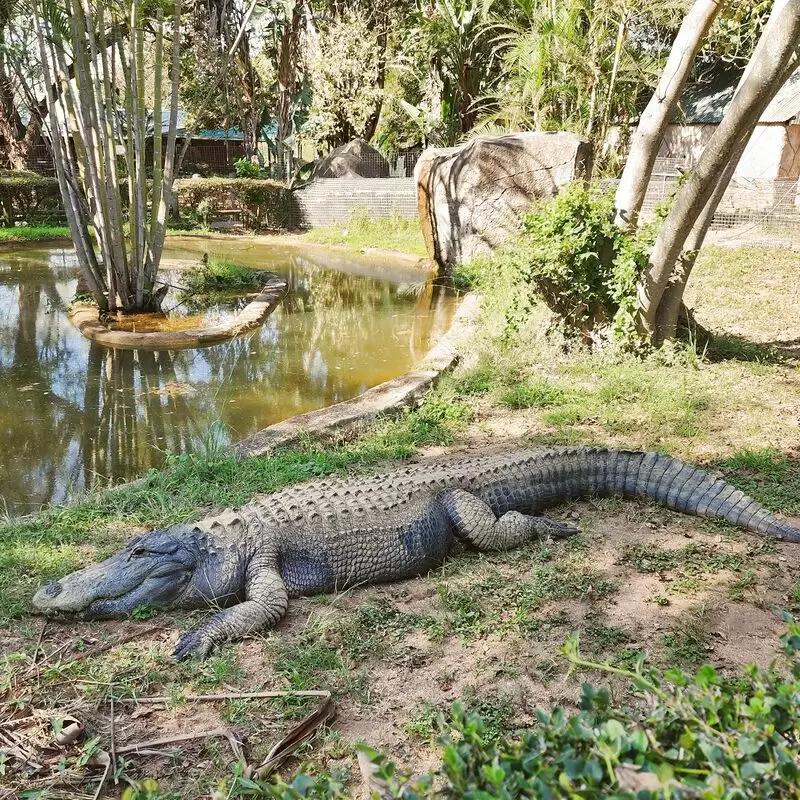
{"points": [[287, 83], [655, 118], [16, 152], [671, 308], [382, 23], [612, 83], [775, 55]]}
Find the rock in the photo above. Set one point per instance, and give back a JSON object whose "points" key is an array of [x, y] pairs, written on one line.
{"points": [[355, 159], [472, 198]]}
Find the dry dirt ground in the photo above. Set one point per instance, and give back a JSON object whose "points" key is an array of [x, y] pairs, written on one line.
{"points": [[484, 629]]}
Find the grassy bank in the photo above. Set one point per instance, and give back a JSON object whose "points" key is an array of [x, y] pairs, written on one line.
{"points": [[485, 629], [31, 233], [361, 233]]}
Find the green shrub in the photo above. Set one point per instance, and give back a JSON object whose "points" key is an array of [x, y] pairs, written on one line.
{"points": [[29, 198], [572, 256], [262, 204], [244, 168], [218, 277]]}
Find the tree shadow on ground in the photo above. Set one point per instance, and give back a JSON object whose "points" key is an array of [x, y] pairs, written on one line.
{"points": [[732, 347]]}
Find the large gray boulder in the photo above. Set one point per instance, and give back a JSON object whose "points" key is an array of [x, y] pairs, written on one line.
{"points": [[356, 159], [472, 198]]}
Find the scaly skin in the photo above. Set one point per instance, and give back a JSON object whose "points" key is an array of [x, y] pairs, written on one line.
{"points": [[330, 534]]}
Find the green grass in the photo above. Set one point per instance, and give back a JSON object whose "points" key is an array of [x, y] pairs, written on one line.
{"points": [[362, 232], [39, 233], [221, 277], [688, 641], [430, 720], [374, 627], [489, 600], [766, 475], [693, 560], [477, 381], [539, 393]]}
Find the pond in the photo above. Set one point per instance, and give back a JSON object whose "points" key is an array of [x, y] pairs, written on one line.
{"points": [[73, 413]]}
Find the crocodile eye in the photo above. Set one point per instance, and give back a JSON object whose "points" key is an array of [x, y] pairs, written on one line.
{"points": [[139, 552]]}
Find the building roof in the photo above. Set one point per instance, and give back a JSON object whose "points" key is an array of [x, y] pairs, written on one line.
{"points": [[707, 103], [231, 134]]}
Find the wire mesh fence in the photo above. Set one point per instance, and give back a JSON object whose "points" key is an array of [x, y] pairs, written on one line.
{"points": [[330, 201]]}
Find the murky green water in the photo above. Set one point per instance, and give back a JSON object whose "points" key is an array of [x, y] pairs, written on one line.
{"points": [[72, 413]]}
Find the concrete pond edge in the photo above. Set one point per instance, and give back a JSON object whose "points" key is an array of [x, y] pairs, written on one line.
{"points": [[351, 417], [86, 320]]}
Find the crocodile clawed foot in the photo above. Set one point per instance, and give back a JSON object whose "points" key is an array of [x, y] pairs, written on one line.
{"points": [[558, 530], [193, 643]]}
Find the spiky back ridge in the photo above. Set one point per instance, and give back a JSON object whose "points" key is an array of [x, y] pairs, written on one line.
{"points": [[525, 480]]}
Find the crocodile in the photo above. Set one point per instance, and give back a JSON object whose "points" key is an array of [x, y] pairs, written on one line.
{"points": [[338, 532]]}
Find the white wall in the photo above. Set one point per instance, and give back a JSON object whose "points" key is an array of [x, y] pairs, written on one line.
{"points": [[773, 151]]}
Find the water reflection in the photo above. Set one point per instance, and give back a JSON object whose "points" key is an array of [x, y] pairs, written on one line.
{"points": [[73, 413]]}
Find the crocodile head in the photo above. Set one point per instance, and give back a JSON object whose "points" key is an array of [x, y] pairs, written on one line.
{"points": [[178, 567]]}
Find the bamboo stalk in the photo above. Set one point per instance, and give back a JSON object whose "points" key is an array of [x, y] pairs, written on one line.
{"points": [[158, 170], [73, 207], [157, 245], [108, 127], [139, 165]]}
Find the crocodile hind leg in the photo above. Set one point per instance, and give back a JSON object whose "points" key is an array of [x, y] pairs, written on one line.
{"points": [[476, 523], [266, 602]]}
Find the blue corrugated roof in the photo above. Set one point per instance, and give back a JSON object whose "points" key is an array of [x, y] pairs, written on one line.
{"points": [[222, 134]]}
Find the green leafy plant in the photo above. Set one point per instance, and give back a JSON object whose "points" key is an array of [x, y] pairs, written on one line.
{"points": [[261, 203], [30, 198], [571, 256], [244, 168]]}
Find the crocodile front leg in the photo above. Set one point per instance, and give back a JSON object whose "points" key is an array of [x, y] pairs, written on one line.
{"points": [[266, 602], [476, 523]]}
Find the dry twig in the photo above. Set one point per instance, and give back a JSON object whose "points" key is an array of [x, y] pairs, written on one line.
{"points": [[183, 737], [211, 698]]}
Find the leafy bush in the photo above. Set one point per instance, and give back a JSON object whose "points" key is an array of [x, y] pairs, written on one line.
{"points": [[244, 168], [221, 276], [261, 203], [30, 198], [572, 256]]}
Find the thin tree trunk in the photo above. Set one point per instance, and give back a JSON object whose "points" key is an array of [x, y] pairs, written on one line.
{"points": [[612, 83], [12, 131], [157, 241], [287, 82], [655, 118], [776, 53], [383, 41]]}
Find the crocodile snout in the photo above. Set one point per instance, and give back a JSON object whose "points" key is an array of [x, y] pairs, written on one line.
{"points": [[52, 589]]}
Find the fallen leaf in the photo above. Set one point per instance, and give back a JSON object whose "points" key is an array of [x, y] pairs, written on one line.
{"points": [[632, 779]]}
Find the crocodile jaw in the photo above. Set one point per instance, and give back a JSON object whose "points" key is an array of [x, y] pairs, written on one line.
{"points": [[151, 570]]}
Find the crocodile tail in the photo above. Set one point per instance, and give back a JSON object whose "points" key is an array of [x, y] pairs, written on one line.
{"points": [[683, 487]]}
